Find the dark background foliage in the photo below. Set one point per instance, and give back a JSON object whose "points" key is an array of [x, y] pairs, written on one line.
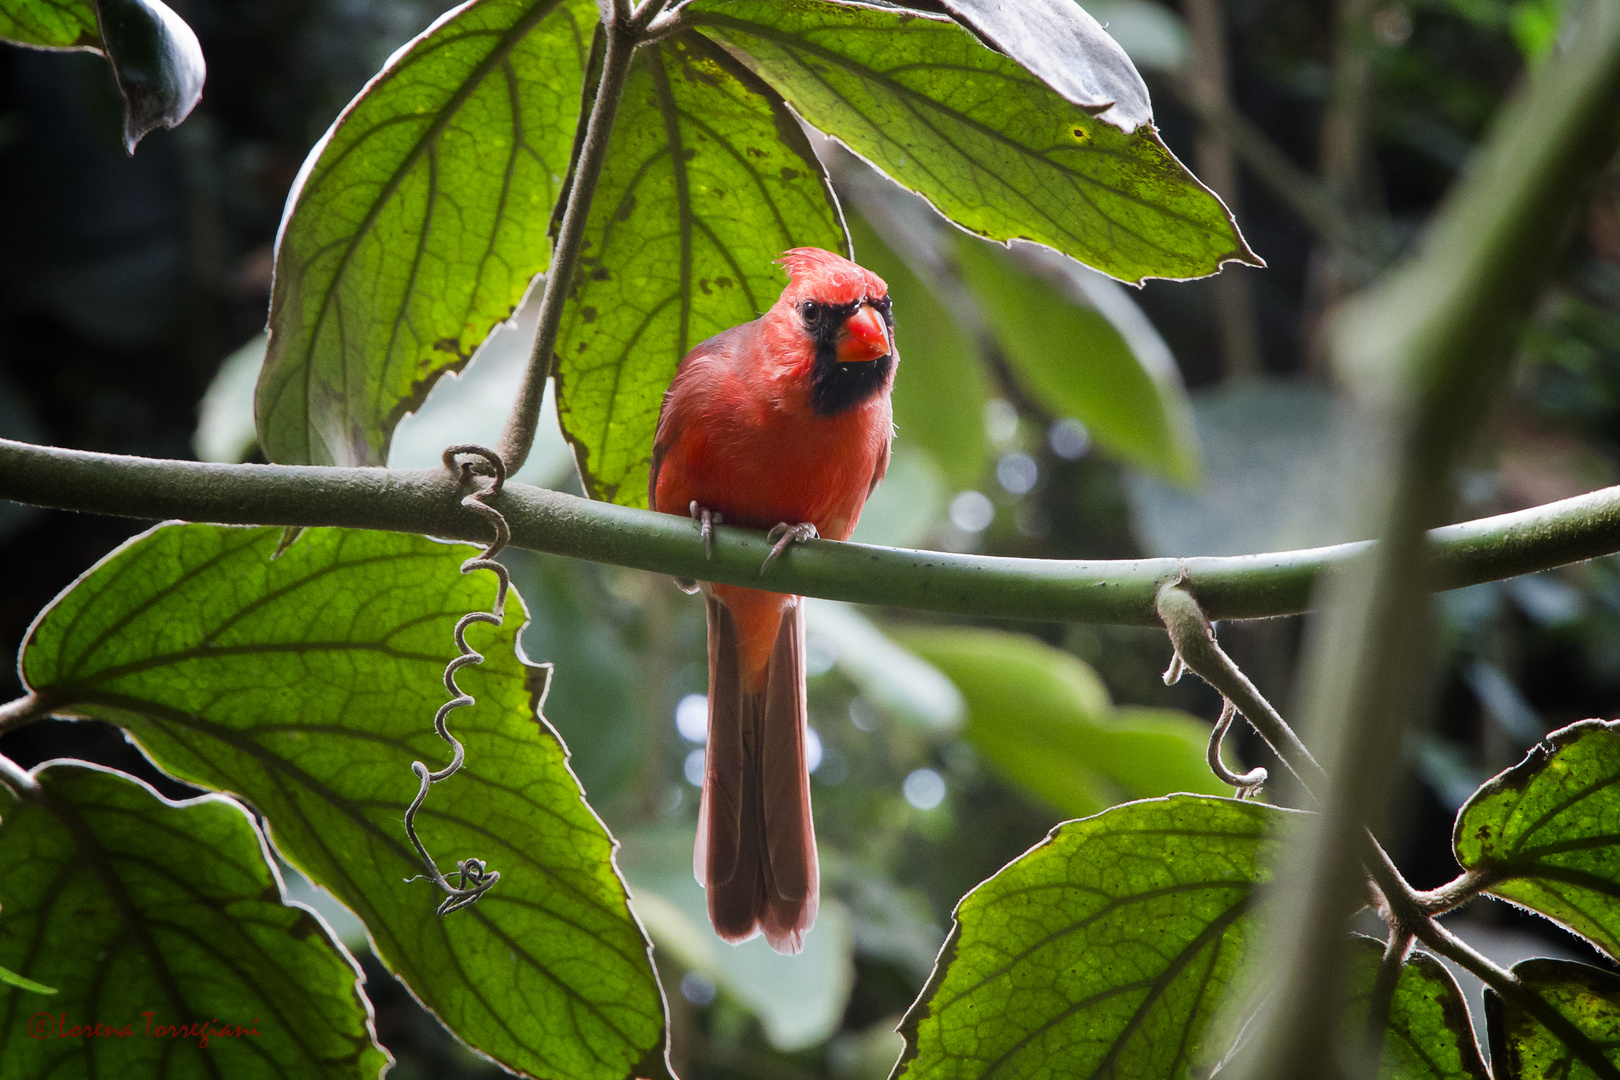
{"points": [[125, 281]]}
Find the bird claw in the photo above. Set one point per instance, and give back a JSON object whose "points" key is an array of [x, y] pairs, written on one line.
{"points": [[706, 520], [783, 534]]}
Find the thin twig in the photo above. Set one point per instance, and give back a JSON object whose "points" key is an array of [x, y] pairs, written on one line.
{"points": [[1248, 784], [1208, 83], [475, 877], [1194, 641], [623, 35], [1305, 196]]}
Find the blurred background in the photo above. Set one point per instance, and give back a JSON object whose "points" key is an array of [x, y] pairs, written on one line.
{"points": [[1042, 410]]}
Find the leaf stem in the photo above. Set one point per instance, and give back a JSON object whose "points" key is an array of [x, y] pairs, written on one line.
{"points": [[20, 711], [18, 779], [1453, 894], [623, 35], [1120, 591], [1383, 994]]}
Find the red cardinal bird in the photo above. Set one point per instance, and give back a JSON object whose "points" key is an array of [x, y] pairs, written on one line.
{"points": [[783, 424]]}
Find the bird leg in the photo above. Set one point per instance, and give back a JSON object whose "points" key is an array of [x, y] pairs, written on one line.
{"points": [[783, 534], [706, 521]]}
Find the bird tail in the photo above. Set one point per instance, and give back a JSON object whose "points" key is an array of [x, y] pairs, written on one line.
{"points": [[756, 844]]}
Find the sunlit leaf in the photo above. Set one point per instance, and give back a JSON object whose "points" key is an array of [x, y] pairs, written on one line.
{"points": [[941, 385], [1065, 45], [1522, 1048], [417, 223], [151, 915], [155, 57], [889, 676], [11, 978], [708, 178], [1076, 363], [995, 149], [307, 684], [50, 24], [1429, 1035], [225, 414], [1546, 833], [1042, 719], [1105, 950]]}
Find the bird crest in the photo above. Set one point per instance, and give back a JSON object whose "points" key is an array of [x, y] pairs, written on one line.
{"points": [[828, 277]]}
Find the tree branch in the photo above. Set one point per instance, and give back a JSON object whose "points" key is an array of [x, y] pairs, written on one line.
{"points": [[1103, 591]]}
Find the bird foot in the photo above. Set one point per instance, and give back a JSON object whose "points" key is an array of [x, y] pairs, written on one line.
{"points": [[706, 521], [784, 534]]}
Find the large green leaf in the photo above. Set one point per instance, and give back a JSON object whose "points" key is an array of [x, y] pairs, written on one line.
{"points": [[417, 223], [50, 24], [989, 144], [1546, 833], [1067, 47], [1075, 362], [1042, 719], [1429, 1035], [941, 386], [155, 57], [307, 684], [151, 915], [708, 178], [1103, 951], [1588, 999]]}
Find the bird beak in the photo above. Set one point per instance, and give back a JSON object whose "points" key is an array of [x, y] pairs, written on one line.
{"points": [[864, 336]]}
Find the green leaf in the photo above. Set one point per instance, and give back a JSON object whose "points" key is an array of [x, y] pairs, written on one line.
{"points": [[1588, 999], [152, 915], [987, 143], [1042, 719], [941, 386], [1075, 362], [11, 978], [307, 684], [1103, 951], [417, 223], [1543, 833], [1272, 458], [1429, 1035], [707, 179], [894, 679], [50, 24], [155, 57], [1065, 46]]}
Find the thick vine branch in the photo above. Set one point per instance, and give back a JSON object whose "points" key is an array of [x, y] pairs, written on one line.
{"points": [[1103, 591]]}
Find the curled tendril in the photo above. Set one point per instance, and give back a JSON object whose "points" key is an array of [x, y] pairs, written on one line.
{"points": [[1247, 784], [475, 878]]}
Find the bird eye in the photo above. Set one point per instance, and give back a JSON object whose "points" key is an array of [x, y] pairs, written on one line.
{"points": [[810, 311]]}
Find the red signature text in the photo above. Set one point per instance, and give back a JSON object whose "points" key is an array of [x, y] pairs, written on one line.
{"points": [[44, 1025]]}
